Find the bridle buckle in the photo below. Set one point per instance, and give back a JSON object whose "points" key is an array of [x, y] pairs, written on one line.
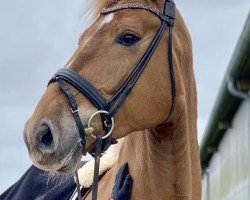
{"points": [[74, 111], [106, 123]]}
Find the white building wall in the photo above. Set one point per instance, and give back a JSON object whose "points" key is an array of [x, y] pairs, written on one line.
{"points": [[205, 188], [229, 168]]}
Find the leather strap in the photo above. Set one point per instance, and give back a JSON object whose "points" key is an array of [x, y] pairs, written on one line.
{"points": [[169, 10], [96, 167], [163, 17], [84, 86], [171, 69], [78, 188], [74, 110]]}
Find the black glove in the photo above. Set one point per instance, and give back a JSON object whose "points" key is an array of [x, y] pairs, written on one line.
{"points": [[123, 184]]}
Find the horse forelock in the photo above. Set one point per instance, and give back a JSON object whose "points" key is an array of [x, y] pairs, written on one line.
{"points": [[92, 8]]}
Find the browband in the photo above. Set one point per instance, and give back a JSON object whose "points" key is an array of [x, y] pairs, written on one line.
{"points": [[168, 13]]}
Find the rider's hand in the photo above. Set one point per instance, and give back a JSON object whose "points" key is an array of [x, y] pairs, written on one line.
{"points": [[123, 184]]}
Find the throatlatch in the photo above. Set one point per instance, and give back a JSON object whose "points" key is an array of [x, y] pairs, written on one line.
{"points": [[108, 108]]}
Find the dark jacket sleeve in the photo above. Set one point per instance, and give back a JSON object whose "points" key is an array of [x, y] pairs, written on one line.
{"points": [[36, 184]]}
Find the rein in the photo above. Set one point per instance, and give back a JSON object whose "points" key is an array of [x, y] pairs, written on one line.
{"points": [[108, 108]]}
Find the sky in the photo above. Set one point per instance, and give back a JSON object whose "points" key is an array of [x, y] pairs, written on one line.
{"points": [[38, 37]]}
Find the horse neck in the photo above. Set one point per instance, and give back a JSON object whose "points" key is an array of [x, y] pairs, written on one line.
{"points": [[163, 161]]}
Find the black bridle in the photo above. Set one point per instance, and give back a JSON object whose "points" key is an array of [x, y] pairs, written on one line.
{"points": [[111, 106]]}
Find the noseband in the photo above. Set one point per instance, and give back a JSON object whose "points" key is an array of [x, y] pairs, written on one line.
{"points": [[108, 108]]}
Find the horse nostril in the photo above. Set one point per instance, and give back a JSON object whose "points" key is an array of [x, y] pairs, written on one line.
{"points": [[45, 140]]}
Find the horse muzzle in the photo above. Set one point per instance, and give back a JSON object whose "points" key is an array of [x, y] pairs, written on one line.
{"points": [[51, 148]]}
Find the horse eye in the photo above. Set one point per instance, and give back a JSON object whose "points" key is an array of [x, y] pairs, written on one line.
{"points": [[127, 39]]}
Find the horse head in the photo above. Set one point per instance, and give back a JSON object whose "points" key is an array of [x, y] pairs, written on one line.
{"points": [[108, 52]]}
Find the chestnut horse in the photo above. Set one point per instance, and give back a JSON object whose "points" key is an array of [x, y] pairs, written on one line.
{"points": [[161, 149]]}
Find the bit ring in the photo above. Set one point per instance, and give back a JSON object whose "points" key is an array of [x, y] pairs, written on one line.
{"points": [[106, 113]]}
